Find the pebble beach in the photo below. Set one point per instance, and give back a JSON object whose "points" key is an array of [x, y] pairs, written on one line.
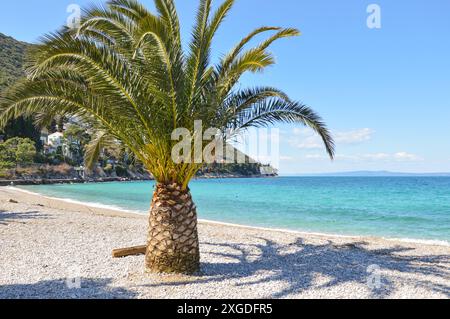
{"points": [[60, 250]]}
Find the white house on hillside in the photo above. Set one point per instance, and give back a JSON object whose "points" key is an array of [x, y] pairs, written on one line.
{"points": [[55, 140]]}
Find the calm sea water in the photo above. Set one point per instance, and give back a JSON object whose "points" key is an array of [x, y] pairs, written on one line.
{"points": [[397, 207]]}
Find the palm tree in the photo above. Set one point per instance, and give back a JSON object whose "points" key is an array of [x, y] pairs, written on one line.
{"points": [[125, 72]]}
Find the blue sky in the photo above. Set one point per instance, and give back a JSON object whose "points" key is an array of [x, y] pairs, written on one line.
{"points": [[385, 93]]}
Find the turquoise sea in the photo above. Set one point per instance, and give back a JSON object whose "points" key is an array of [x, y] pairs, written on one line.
{"points": [[394, 207]]}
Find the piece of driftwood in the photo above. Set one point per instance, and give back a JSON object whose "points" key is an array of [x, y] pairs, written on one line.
{"points": [[130, 251]]}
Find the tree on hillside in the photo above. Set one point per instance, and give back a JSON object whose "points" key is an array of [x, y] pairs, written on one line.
{"points": [[17, 151], [25, 153], [24, 128]]}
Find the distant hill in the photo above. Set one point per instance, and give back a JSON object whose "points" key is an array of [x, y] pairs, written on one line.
{"points": [[12, 57], [376, 174]]}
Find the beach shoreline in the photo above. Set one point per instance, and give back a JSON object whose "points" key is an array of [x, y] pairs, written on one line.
{"points": [[284, 264], [58, 181], [120, 210]]}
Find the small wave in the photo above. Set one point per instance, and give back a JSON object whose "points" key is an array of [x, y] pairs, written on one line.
{"points": [[356, 237], [122, 210], [78, 202], [421, 241]]}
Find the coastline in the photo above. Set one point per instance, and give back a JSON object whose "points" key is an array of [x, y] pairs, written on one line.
{"points": [[56, 181], [120, 210], [47, 240], [27, 182]]}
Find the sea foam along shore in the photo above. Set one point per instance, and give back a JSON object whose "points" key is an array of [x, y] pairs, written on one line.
{"points": [[47, 242], [301, 233]]}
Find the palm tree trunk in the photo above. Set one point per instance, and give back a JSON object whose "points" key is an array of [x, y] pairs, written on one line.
{"points": [[173, 245]]}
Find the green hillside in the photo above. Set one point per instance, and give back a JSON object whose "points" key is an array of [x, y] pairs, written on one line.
{"points": [[12, 55], [12, 58]]}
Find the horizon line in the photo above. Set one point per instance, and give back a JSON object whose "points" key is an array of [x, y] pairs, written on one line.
{"points": [[362, 172]]}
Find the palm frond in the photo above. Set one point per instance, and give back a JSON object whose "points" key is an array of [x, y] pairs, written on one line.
{"points": [[132, 9], [236, 63], [218, 18], [275, 110], [168, 12], [100, 141], [234, 53], [198, 59]]}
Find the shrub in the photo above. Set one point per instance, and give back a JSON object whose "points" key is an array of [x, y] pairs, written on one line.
{"points": [[7, 156], [121, 171], [108, 169], [15, 151], [25, 153]]}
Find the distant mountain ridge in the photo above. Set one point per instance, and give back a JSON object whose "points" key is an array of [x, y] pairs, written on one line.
{"points": [[12, 58], [375, 174]]}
